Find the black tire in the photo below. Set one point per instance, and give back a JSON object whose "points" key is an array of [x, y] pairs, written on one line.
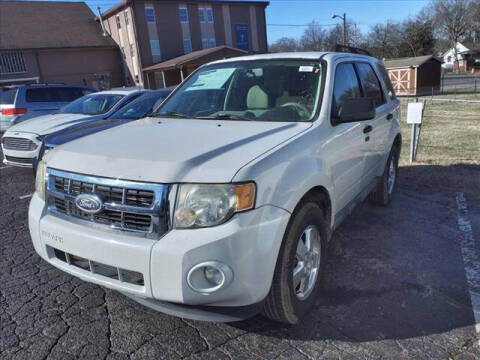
{"points": [[382, 195], [282, 303]]}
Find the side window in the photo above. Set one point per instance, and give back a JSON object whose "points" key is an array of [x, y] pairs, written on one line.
{"points": [[386, 81], [66, 94], [39, 95], [370, 83], [346, 86]]}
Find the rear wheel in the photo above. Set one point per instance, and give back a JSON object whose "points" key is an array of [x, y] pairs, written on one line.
{"points": [[383, 193], [299, 266]]}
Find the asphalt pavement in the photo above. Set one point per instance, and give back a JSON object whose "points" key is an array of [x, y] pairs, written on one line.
{"points": [[395, 287]]}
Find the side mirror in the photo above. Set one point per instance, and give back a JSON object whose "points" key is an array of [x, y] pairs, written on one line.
{"points": [[356, 110]]}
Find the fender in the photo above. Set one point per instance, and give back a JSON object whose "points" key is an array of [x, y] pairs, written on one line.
{"points": [[295, 166]]}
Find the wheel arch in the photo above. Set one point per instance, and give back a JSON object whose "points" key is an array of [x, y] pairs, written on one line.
{"points": [[320, 195]]}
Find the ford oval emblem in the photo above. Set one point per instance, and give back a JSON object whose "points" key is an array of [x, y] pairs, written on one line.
{"points": [[89, 203]]}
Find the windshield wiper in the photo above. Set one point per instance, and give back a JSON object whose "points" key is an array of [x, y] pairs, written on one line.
{"points": [[224, 116], [172, 114]]}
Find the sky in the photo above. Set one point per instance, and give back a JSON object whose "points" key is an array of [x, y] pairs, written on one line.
{"points": [[289, 18]]}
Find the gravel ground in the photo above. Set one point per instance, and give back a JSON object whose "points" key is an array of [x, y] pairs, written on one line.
{"points": [[395, 287]]}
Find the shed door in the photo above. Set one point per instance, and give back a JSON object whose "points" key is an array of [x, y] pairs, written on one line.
{"points": [[401, 81]]}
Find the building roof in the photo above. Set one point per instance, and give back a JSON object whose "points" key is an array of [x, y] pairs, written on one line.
{"points": [[409, 61], [197, 58], [123, 3], [48, 24]]}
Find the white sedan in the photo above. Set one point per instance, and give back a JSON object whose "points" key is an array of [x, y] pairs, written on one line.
{"points": [[21, 143]]}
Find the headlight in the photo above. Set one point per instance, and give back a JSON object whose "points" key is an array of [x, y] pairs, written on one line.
{"points": [[40, 179], [203, 205]]}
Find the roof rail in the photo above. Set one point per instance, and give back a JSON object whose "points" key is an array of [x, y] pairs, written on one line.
{"points": [[351, 49]]}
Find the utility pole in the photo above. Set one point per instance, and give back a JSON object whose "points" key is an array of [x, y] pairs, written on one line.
{"points": [[344, 18]]}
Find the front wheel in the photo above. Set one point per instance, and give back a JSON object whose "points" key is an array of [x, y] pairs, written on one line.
{"points": [[299, 266], [383, 193]]}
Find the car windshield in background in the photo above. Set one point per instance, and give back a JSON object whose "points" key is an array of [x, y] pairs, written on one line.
{"points": [[280, 90], [139, 108], [92, 104]]}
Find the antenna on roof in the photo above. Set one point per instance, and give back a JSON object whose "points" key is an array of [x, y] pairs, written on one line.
{"points": [[104, 32]]}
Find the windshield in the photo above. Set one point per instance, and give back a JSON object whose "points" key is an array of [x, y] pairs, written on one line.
{"points": [[139, 108], [92, 104], [264, 90]]}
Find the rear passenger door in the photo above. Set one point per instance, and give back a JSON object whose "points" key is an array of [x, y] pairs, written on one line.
{"points": [[347, 141], [376, 130]]}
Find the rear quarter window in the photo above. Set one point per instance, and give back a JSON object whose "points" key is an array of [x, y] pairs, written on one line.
{"points": [[7, 96], [386, 79]]}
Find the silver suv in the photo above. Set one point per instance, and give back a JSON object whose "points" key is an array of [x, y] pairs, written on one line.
{"points": [[220, 204], [21, 102]]}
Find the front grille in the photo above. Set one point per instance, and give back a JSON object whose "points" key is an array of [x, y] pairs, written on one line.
{"points": [[21, 144], [26, 161], [107, 193], [127, 205], [112, 272]]}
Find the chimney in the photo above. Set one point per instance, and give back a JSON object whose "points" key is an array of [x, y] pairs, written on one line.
{"points": [[104, 33]]}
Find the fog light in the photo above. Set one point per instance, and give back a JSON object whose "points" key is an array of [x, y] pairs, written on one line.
{"points": [[209, 276], [213, 275]]}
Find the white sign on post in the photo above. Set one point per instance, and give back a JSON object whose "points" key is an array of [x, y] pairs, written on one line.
{"points": [[414, 117], [414, 113]]}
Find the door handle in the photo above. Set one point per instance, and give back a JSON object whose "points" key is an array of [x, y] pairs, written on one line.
{"points": [[389, 116], [367, 129]]}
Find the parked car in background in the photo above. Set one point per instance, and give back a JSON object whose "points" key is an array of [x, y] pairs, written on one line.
{"points": [[21, 143], [22, 102], [137, 109], [221, 204]]}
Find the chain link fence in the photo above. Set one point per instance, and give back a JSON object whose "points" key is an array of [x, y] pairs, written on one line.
{"points": [[450, 130]]}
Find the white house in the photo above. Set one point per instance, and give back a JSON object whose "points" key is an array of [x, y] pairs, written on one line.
{"points": [[467, 58]]}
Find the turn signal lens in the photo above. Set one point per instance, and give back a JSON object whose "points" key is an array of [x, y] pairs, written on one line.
{"points": [[245, 194]]}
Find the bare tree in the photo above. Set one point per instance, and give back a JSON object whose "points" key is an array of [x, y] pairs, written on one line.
{"points": [[313, 38], [284, 44], [383, 40], [453, 20]]}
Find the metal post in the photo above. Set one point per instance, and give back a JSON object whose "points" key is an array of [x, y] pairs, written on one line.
{"points": [[344, 29], [412, 142]]}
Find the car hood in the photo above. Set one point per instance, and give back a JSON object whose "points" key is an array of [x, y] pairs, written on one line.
{"points": [[46, 124], [172, 150], [80, 129]]}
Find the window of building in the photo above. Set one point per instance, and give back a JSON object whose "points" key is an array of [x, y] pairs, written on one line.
{"points": [[183, 15], [122, 50], [201, 15], [204, 43], [210, 15], [12, 62], [242, 36], [212, 42], [370, 83], [187, 46], [125, 13], [117, 19], [132, 51], [155, 47], [150, 14]]}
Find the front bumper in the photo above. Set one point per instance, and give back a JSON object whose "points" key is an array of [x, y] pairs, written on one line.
{"points": [[20, 157], [248, 244]]}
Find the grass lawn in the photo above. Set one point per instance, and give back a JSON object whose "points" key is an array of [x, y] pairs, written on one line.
{"points": [[449, 152]]}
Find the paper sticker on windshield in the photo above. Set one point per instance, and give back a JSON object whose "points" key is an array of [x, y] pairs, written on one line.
{"points": [[305, 69]]}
